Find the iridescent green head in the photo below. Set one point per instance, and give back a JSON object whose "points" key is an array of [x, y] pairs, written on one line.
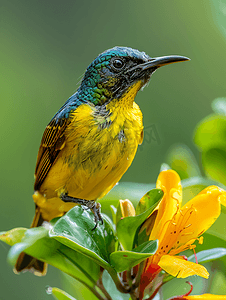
{"points": [[114, 71]]}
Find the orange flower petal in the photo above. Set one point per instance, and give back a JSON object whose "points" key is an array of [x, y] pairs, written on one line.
{"points": [[205, 297], [216, 189], [197, 215], [178, 267], [169, 182]]}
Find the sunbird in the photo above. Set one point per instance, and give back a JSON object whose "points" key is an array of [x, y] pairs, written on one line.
{"points": [[92, 140]]}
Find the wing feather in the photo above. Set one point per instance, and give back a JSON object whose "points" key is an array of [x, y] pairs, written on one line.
{"points": [[52, 143]]}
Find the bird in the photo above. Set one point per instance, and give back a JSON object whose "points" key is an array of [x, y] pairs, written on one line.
{"points": [[92, 140]]}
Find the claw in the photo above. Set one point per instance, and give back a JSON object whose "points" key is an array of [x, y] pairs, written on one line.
{"points": [[97, 214], [88, 204]]}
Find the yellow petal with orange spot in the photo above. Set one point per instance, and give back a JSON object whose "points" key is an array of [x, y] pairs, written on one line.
{"points": [[169, 181], [179, 267], [127, 208], [197, 215], [205, 297]]}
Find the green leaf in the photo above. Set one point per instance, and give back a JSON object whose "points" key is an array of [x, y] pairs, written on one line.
{"points": [[211, 133], [13, 236], [147, 247], [218, 282], [30, 238], [219, 106], [111, 288], [127, 227], [218, 16], [59, 294], [182, 160], [37, 243], [125, 260], [148, 200], [209, 241], [214, 163], [74, 230], [208, 255], [113, 213]]}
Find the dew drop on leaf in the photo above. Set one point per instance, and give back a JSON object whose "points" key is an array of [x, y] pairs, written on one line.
{"points": [[48, 290]]}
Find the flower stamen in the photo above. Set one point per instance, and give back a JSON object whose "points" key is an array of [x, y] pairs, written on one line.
{"points": [[196, 259]]}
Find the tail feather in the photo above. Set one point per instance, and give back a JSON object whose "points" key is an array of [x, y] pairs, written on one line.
{"points": [[26, 262]]}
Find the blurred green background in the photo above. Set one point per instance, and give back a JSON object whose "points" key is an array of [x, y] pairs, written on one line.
{"points": [[45, 49]]}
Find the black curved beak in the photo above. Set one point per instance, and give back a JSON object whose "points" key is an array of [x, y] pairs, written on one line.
{"points": [[162, 61]]}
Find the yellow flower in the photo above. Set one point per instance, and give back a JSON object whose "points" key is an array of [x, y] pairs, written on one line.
{"points": [[177, 228], [204, 297], [126, 208]]}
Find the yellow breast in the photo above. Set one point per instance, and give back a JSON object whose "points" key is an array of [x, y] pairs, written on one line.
{"points": [[96, 156]]}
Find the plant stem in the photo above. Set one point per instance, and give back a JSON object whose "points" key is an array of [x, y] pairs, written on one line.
{"points": [[123, 288], [101, 286], [134, 283], [133, 296], [129, 277], [139, 273]]}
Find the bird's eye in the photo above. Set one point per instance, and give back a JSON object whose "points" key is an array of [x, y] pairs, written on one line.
{"points": [[118, 64]]}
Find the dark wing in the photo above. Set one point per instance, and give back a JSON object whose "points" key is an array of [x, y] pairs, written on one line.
{"points": [[141, 137], [53, 141]]}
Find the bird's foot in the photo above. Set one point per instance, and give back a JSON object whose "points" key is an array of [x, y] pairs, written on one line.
{"points": [[88, 204]]}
